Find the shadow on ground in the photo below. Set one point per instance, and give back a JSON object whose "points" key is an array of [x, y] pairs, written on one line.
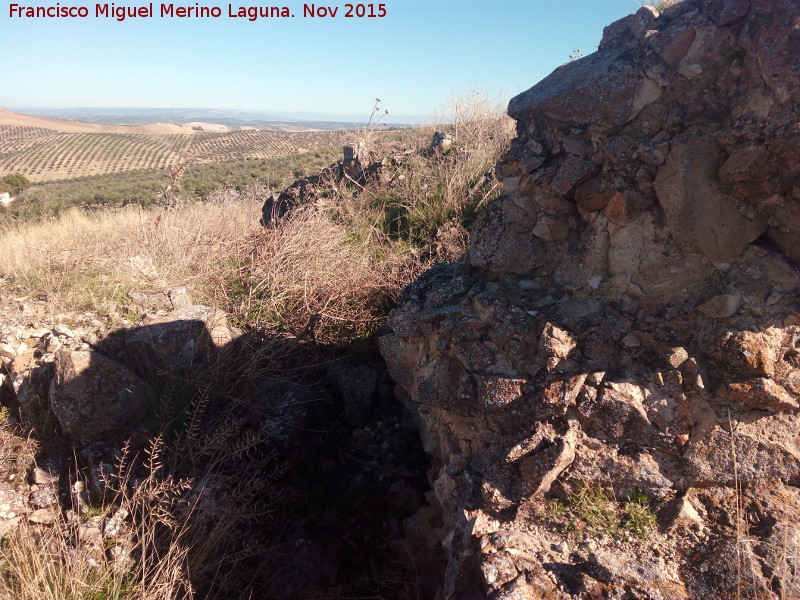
{"points": [[288, 465]]}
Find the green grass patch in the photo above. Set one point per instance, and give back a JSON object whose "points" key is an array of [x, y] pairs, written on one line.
{"points": [[589, 512]]}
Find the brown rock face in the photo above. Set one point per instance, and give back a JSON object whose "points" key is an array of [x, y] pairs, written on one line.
{"points": [[626, 325], [702, 219], [94, 397], [186, 337]]}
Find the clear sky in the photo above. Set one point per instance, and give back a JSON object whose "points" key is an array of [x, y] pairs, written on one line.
{"points": [[415, 58]]}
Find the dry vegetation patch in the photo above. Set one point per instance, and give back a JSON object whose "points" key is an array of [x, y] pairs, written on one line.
{"points": [[338, 263], [87, 260]]}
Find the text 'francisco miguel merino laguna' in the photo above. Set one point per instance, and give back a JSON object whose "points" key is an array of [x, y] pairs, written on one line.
{"points": [[251, 13]]}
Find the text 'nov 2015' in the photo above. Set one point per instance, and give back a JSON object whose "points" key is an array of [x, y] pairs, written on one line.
{"points": [[195, 11]]}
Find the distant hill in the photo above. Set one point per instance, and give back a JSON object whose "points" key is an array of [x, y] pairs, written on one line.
{"points": [[14, 119], [214, 119]]}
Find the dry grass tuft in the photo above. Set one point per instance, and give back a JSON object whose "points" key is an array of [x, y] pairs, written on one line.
{"points": [[174, 537], [43, 563], [420, 202], [82, 260], [311, 274], [661, 5]]}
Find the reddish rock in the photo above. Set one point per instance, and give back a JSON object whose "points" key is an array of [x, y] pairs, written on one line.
{"points": [[787, 241], [548, 229], [759, 394], [563, 393], [749, 353], [721, 307], [732, 11], [594, 194], [572, 172], [673, 46], [625, 206], [626, 32], [499, 391], [699, 215], [555, 206]]}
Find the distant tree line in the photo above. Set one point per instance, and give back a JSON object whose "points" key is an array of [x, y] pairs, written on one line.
{"points": [[141, 187]]}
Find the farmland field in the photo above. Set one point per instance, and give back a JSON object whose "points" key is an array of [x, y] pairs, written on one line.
{"points": [[47, 155], [142, 186]]}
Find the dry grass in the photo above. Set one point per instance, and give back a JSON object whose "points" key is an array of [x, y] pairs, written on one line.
{"points": [[310, 267], [309, 273], [661, 5], [481, 132], [779, 560], [422, 200], [176, 537], [82, 260], [42, 564], [338, 265], [334, 268]]}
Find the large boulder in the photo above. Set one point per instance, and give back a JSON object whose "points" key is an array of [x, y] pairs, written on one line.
{"points": [[609, 384], [95, 398], [178, 342]]}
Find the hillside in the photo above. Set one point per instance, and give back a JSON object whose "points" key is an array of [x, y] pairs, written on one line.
{"points": [[268, 456], [12, 119], [452, 364], [233, 119], [46, 149]]}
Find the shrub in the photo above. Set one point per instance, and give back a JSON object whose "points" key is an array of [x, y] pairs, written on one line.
{"points": [[308, 274], [17, 181]]}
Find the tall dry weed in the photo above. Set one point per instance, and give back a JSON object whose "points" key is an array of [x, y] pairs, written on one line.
{"points": [[763, 566], [169, 533], [481, 132], [429, 194]]}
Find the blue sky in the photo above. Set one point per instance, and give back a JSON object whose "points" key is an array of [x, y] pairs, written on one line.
{"points": [[422, 53]]}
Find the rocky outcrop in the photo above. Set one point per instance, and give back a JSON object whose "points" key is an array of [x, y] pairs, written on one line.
{"points": [[390, 163], [356, 166], [93, 397], [609, 384], [99, 385]]}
